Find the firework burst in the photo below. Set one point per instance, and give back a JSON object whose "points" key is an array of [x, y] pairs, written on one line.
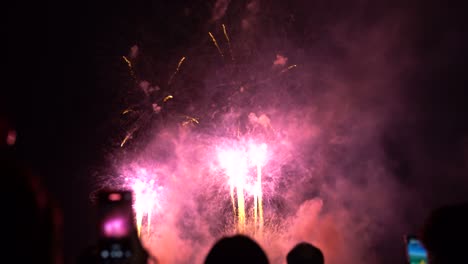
{"points": [[221, 148]]}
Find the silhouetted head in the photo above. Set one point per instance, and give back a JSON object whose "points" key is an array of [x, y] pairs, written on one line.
{"points": [[305, 253], [445, 234], [236, 249]]}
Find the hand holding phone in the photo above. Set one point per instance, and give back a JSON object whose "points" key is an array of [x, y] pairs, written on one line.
{"points": [[118, 239]]}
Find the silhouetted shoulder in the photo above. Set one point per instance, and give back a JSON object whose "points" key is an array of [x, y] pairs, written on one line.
{"points": [[445, 234]]}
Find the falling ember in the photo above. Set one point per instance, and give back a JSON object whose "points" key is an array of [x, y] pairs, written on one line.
{"points": [[228, 41], [167, 98], [289, 68], [176, 71], [126, 111], [127, 137], [130, 66], [216, 44], [190, 120]]}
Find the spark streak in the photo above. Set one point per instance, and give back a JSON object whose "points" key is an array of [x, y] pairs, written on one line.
{"points": [[241, 206], [231, 192], [130, 66], [177, 70], [258, 157], [259, 199], [127, 137], [216, 44], [190, 120], [228, 41], [167, 98], [289, 68], [126, 111]]}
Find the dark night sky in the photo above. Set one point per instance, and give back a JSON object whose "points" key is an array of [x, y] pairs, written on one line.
{"points": [[61, 79]]}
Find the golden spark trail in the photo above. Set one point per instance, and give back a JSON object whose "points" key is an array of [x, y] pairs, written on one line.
{"points": [[235, 164], [258, 156], [130, 66], [125, 139], [126, 111], [241, 208], [190, 120], [229, 41], [167, 98], [139, 220], [231, 192], [144, 203], [260, 198], [216, 44], [128, 136], [150, 208], [176, 71], [255, 206], [149, 221], [289, 68]]}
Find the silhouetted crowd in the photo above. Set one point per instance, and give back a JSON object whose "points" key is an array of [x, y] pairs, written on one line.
{"points": [[35, 223]]}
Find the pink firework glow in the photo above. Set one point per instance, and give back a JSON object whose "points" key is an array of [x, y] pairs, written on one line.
{"points": [[145, 201], [145, 189], [229, 176], [281, 152], [237, 163]]}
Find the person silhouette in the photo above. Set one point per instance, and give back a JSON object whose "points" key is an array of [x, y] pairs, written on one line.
{"points": [[236, 249], [305, 253], [445, 234], [34, 219]]}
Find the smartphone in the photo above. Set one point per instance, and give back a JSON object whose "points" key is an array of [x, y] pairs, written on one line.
{"points": [[115, 225], [415, 251]]}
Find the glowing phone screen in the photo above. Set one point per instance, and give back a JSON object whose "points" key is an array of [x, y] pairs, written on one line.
{"points": [[417, 254]]}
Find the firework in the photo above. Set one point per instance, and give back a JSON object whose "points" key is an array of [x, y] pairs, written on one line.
{"points": [[144, 189], [126, 138], [190, 120], [258, 158], [228, 41], [289, 68], [216, 44], [176, 71], [130, 66], [236, 164], [243, 161], [167, 98], [126, 111]]}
